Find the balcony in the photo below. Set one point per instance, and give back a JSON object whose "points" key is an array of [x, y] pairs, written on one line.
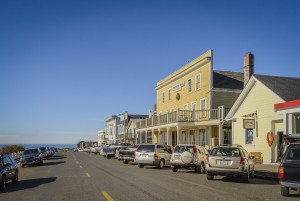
{"points": [[183, 116]]}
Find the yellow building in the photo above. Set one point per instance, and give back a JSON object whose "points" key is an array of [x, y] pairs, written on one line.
{"points": [[191, 104], [253, 115]]}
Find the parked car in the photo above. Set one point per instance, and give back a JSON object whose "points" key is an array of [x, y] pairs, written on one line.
{"points": [[128, 154], [189, 156], [45, 152], [110, 151], [229, 160], [32, 156], [289, 170], [154, 155], [118, 150], [8, 170]]}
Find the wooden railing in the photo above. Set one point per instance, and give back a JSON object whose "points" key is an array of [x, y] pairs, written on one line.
{"points": [[183, 116]]}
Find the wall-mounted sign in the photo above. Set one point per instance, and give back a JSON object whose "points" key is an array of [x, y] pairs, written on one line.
{"points": [[249, 123], [178, 96], [178, 87]]}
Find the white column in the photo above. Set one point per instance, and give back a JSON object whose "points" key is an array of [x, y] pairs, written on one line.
{"points": [[178, 135], [220, 133], [168, 133]]}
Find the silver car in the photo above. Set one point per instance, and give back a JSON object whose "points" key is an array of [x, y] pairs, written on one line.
{"points": [[153, 155], [189, 156], [229, 160]]}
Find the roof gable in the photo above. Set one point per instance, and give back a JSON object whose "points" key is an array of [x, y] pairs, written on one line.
{"points": [[228, 80], [288, 88]]}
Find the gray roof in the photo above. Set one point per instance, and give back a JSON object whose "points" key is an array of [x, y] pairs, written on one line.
{"points": [[228, 80], [288, 88]]}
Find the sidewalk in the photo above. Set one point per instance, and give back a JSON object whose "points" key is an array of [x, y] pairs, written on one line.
{"points": [[266, 170]]}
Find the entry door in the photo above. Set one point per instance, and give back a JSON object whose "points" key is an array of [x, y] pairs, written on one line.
{"points": [[174, 138], [279, 146]]}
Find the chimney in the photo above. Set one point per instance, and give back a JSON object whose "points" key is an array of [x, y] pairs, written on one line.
{"points": [[248, 67]]}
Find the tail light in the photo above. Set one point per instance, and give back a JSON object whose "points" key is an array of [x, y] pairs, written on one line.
{"points": [[242, 161], [155, 156], [281, 172], [207, 157], [195, 150]]}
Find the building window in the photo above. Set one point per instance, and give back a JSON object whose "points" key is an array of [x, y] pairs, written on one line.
{"points": [[249, 136], [185, 110], [202, 139], [203, 107], [194, 111], [169, 94], [192, 137], [198, 81], [183, 137], [189, 85], [163, 97]]}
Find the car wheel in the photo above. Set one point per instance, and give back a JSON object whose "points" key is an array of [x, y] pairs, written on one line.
{"points": [[209, 176], [252, 174], [3, 183], [141, 165], [16, 178], [174, 168], [41, 162], [125, 162], [198, 169], [161, 164], [285, 191], [246, 177], [23, 166]]}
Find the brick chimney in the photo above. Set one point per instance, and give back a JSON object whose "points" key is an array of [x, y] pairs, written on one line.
{"points": [[248, 67]]}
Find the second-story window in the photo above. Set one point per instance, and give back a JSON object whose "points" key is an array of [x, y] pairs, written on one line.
{"points": [[169, 94], [198, 81], [189, 85], [163, 97]]}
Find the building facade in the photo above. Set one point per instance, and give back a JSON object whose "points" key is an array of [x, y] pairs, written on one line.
{"points": [[253, 115], [102, 138], [191, 104], [111, 129]]}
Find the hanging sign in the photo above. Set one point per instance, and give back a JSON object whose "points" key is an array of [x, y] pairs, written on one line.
{"points": [[249, 123]]}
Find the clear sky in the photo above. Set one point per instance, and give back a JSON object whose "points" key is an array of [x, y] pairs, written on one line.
{"points": [[67, 65]]}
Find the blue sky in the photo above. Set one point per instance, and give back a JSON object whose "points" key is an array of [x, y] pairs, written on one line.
{"points": [[66, 66]]}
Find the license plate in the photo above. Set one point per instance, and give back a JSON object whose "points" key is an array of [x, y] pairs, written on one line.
{"points": [[176, 157], [144, 156], [222, 162]]}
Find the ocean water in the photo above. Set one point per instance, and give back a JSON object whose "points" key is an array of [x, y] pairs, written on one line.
{"points": [[59, 146]]}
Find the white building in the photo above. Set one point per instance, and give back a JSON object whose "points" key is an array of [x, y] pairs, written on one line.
{"points": [[111, 129], [102, 138]]}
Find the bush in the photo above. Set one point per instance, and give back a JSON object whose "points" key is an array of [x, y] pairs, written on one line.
{"points": [[9, 149]]}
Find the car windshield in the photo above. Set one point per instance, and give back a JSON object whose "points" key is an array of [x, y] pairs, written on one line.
{"points": [[146, 148], [181, 149], [225, 152], [30, 151], [293, 154], [43, 148], [136, 146]]}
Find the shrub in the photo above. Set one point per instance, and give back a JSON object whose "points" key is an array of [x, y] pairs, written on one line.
{"points": [[8, 149]]}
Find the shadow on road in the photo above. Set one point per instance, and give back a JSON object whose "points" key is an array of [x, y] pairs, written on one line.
{"points": [[252, 181], [57, 157], [53, 163], [27, 184]]}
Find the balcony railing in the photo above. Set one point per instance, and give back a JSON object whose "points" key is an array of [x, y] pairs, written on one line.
{"points": [[183, 116]]}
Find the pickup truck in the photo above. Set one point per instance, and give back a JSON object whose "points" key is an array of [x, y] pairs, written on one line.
{"points": [[288, 172], [110, 151], [128, 154]]}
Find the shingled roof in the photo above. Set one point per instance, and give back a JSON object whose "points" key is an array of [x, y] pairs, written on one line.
{"points": [[288, 88], [228, 80]]}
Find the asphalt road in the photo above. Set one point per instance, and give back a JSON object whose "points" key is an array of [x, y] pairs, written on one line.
{"points": [[83, 176]]}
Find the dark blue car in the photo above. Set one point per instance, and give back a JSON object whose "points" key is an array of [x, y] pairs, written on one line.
{"points": [[8, 170]]}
